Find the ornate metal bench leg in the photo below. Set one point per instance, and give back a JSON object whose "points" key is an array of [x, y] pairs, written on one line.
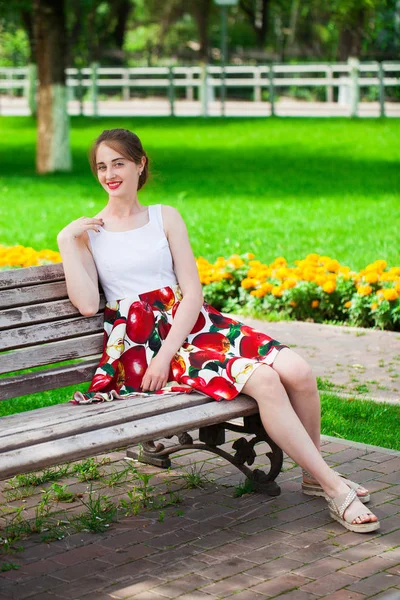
{"points": [[213, 436]]}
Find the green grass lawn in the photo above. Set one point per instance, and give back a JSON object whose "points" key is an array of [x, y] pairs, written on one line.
{"points": [[268, 186]]}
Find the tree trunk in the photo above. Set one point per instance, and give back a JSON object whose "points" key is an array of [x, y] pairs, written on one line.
{"points": [[53, 147], [201, 13]]}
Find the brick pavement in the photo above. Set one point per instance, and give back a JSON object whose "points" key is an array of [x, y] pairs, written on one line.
{"points": [[360, 362], [214, 545]]}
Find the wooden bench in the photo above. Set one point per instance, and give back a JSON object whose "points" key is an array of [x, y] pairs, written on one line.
{"points": [[39, 327]]}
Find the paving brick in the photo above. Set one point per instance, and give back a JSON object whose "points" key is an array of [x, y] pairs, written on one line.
{"points": [[388, 595], [127, 538], [180, 586], [79, 555], [226, 568], [322, 567], [315, 552], [246, 595], [305, 539], [362, 551], [345, 595], [298, 595], [329, 583], [137, 567], [127, 554], [269, 552], [375, 583], [216, 539], [199, 595], [128, 588], [230, 585], [394, 570], [367, 567], [275, 567], [280, 584]]}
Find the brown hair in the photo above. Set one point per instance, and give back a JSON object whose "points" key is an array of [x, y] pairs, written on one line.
{"points": [[125, 142]]}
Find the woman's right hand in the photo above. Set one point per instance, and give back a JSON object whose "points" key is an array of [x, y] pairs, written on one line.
{"points": [[79, 226]]}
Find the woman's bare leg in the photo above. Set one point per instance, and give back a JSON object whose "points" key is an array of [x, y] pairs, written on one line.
{"points": [[285, 428], [300, 384]]}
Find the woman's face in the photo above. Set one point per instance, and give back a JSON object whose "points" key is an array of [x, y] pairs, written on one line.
{"points": [[119, 176]]}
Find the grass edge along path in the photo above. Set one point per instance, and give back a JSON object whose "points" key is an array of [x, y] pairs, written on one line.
{"points": [[356, 419]]}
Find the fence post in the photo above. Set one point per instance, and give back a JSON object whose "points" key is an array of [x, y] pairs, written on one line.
{"points": [[354, 64], [126, 89], [257, 86], [189, 87], [329, 87], [171, 91], [204, 90], [31, 89], [94, 89], [381, 75], [271, 89], [79, 91]]}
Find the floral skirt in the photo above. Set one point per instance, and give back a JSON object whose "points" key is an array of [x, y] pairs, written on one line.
{"points": [[216, 358]]}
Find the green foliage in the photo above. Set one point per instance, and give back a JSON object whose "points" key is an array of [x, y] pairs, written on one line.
{"points": [[245, 487]]}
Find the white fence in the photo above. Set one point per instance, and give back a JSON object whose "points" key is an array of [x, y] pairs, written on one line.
{"points": [[203, 84]]}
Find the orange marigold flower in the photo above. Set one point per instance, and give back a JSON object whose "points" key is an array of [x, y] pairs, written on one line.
{"points": [[293, 303], [347, 304], [374, 306], [390, 294], [364, 290], [397, 287], [371, 277], [276, 291], [315, 304], [250, 255], [329, 287], [248, 282]]}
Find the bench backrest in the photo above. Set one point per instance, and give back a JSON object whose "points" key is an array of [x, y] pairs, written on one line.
{"points": [[39, 326]]}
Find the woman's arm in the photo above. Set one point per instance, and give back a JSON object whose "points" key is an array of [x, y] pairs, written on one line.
{"points": [[187, 314], [79, 268]]}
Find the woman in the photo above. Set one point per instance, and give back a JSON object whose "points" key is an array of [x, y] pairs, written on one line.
{"points": [[160, 336]]}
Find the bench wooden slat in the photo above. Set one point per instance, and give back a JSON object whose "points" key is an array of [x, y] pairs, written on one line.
{"points": [[91, 443], [46, 332], [26, 358], [49, 379], [33, 294], [30, 275], [40, 313], [42, 417], [89, 421]]}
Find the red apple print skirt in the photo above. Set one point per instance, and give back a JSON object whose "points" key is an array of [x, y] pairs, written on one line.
{"points": [[216, 359]]}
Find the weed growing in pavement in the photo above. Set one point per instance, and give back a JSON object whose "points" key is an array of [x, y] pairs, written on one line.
{"points": [[89, 469], [194, 478], [60, 493], [161, 516], [19, 493], [117, 478], [100, 512], [8, 566], [245, 487], [34, 479]]}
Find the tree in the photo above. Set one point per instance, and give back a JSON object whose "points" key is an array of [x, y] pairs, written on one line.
{"points": [[53, 147]]}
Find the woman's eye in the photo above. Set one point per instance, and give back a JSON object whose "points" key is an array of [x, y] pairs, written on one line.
{"points": [[119, 164]]}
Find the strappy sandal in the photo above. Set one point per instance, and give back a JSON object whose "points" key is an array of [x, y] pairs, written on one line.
{"points": [[314, 489], [337, 508]]}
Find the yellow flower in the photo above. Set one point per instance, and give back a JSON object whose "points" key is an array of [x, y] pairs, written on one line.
{"points": [[390, 294], [267, 287], [364, 290], [248, 282], [315, 304], [258, 293], [276, 291], [347, 304], [293, 303], [289, 283], [333, 266], [250, 255], [397, 287], [374, 306], [371, 277], [329, 286]]}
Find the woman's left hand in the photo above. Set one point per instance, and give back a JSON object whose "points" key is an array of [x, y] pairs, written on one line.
{"points": [[156, 375]]}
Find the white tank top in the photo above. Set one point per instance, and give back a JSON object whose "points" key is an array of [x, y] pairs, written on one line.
{"points": [[135, 261]]}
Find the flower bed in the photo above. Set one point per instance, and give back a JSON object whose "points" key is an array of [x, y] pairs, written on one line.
{"points": [[318, 288]]}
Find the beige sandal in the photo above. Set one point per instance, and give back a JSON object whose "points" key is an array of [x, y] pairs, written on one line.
{"points": [[314, 489], [337, 508]]}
